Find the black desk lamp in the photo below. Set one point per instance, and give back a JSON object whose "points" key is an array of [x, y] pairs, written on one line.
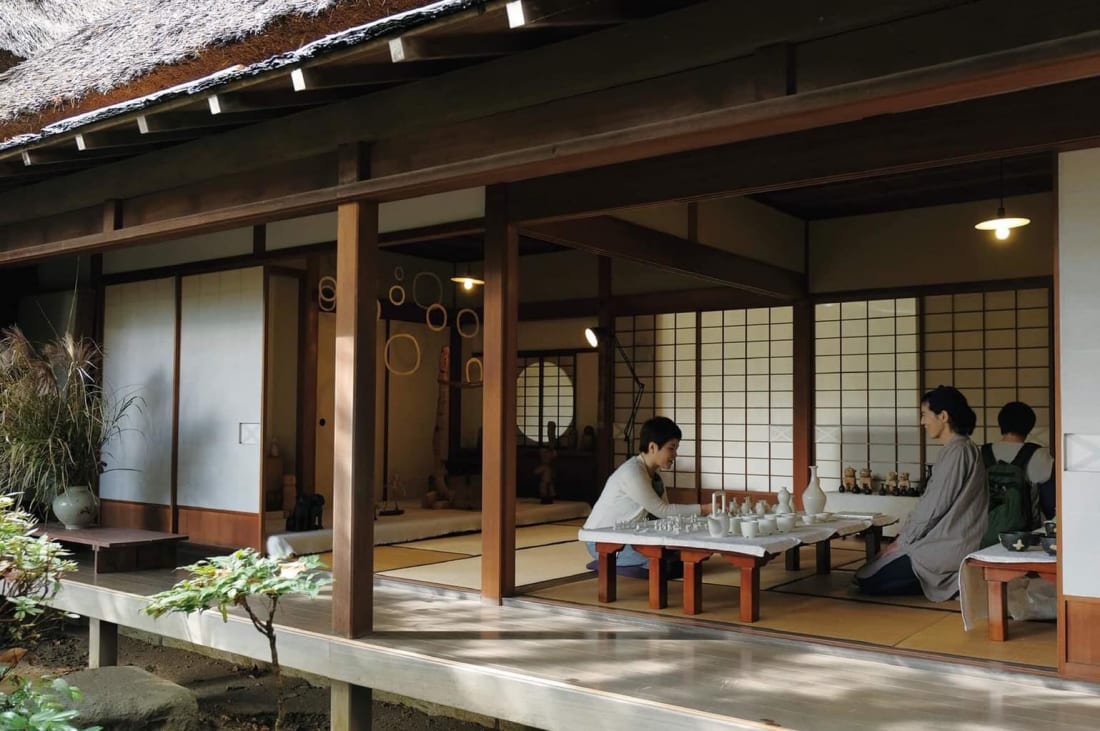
{"points": [[594, 335]]}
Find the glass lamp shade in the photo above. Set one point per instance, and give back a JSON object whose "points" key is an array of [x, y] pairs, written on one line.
{"points": [[1002, 224], [467, 282]]}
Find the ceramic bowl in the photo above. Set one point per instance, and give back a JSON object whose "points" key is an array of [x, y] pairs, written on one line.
{"points": [[1018, 541], [1050, 544], [1050, 527], [822, 517]]}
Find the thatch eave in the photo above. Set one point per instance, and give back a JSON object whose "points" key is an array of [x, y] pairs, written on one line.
{"points": [[228, 78]]}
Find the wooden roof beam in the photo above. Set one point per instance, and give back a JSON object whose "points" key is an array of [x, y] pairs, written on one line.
{"points": [[613, 237], [128, 137], [243, 102], [473, 45], [547, 13], [59, 155], [333, 77], [152, 122]]}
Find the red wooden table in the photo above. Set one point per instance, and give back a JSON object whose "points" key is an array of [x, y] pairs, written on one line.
{"points": [[997, 575]]}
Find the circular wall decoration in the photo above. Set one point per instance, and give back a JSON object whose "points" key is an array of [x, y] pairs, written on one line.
{"points": [[399, 273], [480, 369], [326, 294], [378, 315], [386, 354], [397, 295], [428, 317], [458, 323], [438, 287]]}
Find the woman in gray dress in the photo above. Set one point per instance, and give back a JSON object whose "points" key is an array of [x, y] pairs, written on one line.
{"points": [[950, 517]]}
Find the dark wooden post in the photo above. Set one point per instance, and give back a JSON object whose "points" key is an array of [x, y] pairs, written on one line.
{"points": [[605, 409], [803, 412], [498, 456], [353, 432]]}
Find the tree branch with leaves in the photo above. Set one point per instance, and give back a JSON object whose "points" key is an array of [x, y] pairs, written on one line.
{"points": [[251, 582]]}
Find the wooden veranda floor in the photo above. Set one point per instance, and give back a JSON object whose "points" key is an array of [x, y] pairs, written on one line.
{"points": [[568, 668]]}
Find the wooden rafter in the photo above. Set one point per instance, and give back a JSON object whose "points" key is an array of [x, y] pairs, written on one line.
{"points": [[547, 13], [258, 101], [332, 76], [470, 45], [154, 122], [128, 137]]}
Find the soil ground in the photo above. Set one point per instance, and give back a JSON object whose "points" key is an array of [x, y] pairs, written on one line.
{"points": [[233, 696]]}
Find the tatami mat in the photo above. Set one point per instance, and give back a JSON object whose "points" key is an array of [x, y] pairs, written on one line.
{"points": [[526, 537], [838, 585], [387, 558], [873, 623], [533, 566], [1030, 643]]}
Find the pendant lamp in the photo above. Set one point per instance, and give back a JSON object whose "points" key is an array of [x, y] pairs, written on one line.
{"points": [[1002, 224]]}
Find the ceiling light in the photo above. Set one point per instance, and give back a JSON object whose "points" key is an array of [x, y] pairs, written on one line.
{"points": [[467, 282], [1002, 224]]}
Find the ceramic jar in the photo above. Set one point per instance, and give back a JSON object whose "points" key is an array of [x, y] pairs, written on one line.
{"points": [[75, 507], [813, 499]]}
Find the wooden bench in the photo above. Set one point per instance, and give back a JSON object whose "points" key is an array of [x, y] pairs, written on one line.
{"points": [[120, 549]]}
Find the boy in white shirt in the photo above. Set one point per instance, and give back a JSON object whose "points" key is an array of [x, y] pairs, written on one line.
{"points": [[635, 490]]}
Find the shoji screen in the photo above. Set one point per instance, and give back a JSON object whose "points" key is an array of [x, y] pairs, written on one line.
{"points": [[221, 380], [995, 348], [741, 362], [139, 343], [867, 392]]}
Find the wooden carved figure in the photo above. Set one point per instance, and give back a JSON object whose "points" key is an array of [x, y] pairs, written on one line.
{"points": [[865, 480], [849, 482]]}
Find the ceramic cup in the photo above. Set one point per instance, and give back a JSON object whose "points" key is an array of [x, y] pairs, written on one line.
{"points": [[768, 526], [809, 519], [748, 528], [785, 522], [735, 526]]}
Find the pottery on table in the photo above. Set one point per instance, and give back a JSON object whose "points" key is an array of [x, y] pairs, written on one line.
{"points": [[1050, 544], [1018, 540], [784, 504], [785, 522], [813, 498], [748, 528], [768, 525]]}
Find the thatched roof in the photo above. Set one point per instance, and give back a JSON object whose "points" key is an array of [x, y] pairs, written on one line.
{"points": [[146, 47], [26, 26]]}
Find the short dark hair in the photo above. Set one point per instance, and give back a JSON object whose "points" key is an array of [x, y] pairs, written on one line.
{"points": [[660, 430], [1016, 417], [950, 399]]}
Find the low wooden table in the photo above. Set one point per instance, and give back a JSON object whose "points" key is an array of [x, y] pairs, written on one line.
{"points": [[120, 549], [997, 574], [748, 555]]}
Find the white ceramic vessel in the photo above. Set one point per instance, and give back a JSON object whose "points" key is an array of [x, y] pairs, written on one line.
{"points": [[813, 499]]}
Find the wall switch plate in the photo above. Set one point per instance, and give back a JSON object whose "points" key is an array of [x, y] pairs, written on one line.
{"points": [[248, 432]]}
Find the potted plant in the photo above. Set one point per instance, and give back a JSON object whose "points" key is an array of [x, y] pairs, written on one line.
{"points": [[55, 419]]}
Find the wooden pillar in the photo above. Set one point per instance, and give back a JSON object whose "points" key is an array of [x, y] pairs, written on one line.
{"points": [[354, 418], [605, 409], [803, 412], [102, 643], [350, 707], [498, 456]]}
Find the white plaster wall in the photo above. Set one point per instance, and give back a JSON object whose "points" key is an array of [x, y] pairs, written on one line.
{"points": [[221, 376], [139, 342], [179, 251], [930, 246], [1079, 301]]}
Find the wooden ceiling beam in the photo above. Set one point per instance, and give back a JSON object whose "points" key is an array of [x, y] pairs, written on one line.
{"points": [[332, 77], [618, 239], [57, 155]]}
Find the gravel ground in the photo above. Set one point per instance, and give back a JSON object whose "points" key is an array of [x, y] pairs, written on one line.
{"points": [[232, 696]]}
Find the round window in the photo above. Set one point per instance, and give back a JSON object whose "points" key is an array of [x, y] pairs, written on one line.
{"points": [[544, 402]]}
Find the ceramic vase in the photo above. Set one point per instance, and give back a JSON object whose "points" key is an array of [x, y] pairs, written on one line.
{"points": [[75, 507], [813, 498], [784, 504]]}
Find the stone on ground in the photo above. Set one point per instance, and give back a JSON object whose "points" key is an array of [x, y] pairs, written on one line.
{"points": [[127, 698]]}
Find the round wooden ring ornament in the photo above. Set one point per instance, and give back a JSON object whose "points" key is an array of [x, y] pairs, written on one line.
{"points": [[386, 354], [480, 369], [378, 314], [458, 323], [397, 295], [399, 273], [326, 294], [438, 285], [428, 317]]}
